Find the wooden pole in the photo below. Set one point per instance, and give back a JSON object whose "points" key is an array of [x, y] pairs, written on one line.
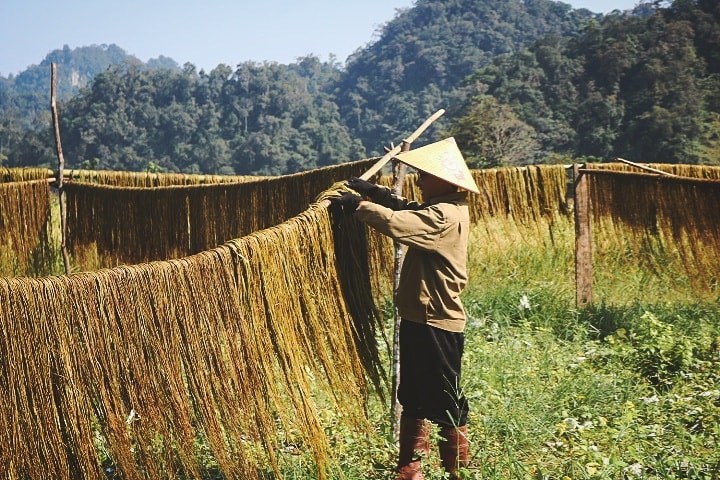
{"points": [[646, 168], [407, 141], [61, 166], [74, 465], [583, 240], [399, 170], [395, 150]]}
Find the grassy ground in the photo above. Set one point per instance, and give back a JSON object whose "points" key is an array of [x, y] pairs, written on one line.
{"points": [[625, 389]]}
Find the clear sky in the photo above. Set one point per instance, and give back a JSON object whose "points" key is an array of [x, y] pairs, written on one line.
{"points": [[203, 32]]}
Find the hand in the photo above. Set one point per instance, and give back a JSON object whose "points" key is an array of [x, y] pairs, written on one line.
{"points": [[346, 203], [362, 187]]}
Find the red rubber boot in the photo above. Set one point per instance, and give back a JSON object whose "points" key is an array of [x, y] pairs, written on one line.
{"points": [[454, 449], [414, 444]]}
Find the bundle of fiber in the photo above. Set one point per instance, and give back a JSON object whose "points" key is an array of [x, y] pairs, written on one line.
{"points": [[22, 174], [695, 171], [681, 170], [24, 227], [523, 194], [154, 370], [520, 194], [655, 217], [110, 225], [148, 179]]}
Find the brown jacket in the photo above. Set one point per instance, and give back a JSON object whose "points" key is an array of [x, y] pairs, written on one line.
{"points": [[434, 270]]}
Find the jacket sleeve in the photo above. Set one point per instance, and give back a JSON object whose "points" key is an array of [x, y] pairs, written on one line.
{"points": [[385, 197], [415, 228]]}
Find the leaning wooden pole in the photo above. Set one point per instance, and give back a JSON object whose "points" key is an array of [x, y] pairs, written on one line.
{"points": [[583, 240], [61, 167], [646, 168], [407, 141]]}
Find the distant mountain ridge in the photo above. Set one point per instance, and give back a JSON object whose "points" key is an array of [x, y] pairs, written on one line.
{"points": [[269, 118], [77, 67], [26, 96], [425, 49]]}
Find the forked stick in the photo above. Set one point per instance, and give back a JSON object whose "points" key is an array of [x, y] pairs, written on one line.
{"points": [[407, 141], [395, 150]]}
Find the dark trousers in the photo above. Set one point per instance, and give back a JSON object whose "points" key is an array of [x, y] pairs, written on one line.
{"points": [[429, 387]]}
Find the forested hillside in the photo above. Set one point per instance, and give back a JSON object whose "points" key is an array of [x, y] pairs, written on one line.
{"points": [[523, 81], [643, 87], [264, 119], [25, 137], [423, 56], [28, 91]]}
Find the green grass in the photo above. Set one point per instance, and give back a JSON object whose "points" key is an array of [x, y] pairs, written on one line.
{"points": [[628, 388]]}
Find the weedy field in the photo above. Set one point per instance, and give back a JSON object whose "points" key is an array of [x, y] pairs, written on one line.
{"points": [[624, 389]]}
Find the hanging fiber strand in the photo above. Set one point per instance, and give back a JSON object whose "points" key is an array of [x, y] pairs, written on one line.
{"points": [[222, 358], [24, 217], [24, 227], [22, 174], [660, 217], [681, 170], [152, 370], [148, 179], [520, 194], [111, 225]]}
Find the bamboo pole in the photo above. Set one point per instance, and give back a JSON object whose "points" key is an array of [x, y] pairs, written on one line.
{"points": [[406, 141], [583, 240], [660, 178], [75, 469], [70, 173], [395, 150], [61, 166], [645, 167]]}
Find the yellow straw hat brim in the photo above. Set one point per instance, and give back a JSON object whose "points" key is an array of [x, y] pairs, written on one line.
{"points": [[441, 159]]}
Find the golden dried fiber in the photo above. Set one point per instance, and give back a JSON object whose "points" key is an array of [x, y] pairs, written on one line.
{"points": [[153, 365], [520, 194], [523, 194], [223, 354], [693, 171], [111, 225], [532, 197], [367, 258], [24, 227], [148, 179], [23, 174], [656, 216]]}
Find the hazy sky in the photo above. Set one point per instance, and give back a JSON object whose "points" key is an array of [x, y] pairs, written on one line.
{"points": [[205, 33]]}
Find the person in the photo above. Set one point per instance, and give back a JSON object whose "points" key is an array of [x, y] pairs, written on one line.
{"points": [[433, 275]]}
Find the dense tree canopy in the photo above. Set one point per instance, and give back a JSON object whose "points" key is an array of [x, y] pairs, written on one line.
{"points": [[491, 135], [522, 80], [641, 87], [423, 56], [264, 119]]}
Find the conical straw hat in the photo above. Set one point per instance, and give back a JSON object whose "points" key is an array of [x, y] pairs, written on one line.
{"points": [[441, 159]]}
